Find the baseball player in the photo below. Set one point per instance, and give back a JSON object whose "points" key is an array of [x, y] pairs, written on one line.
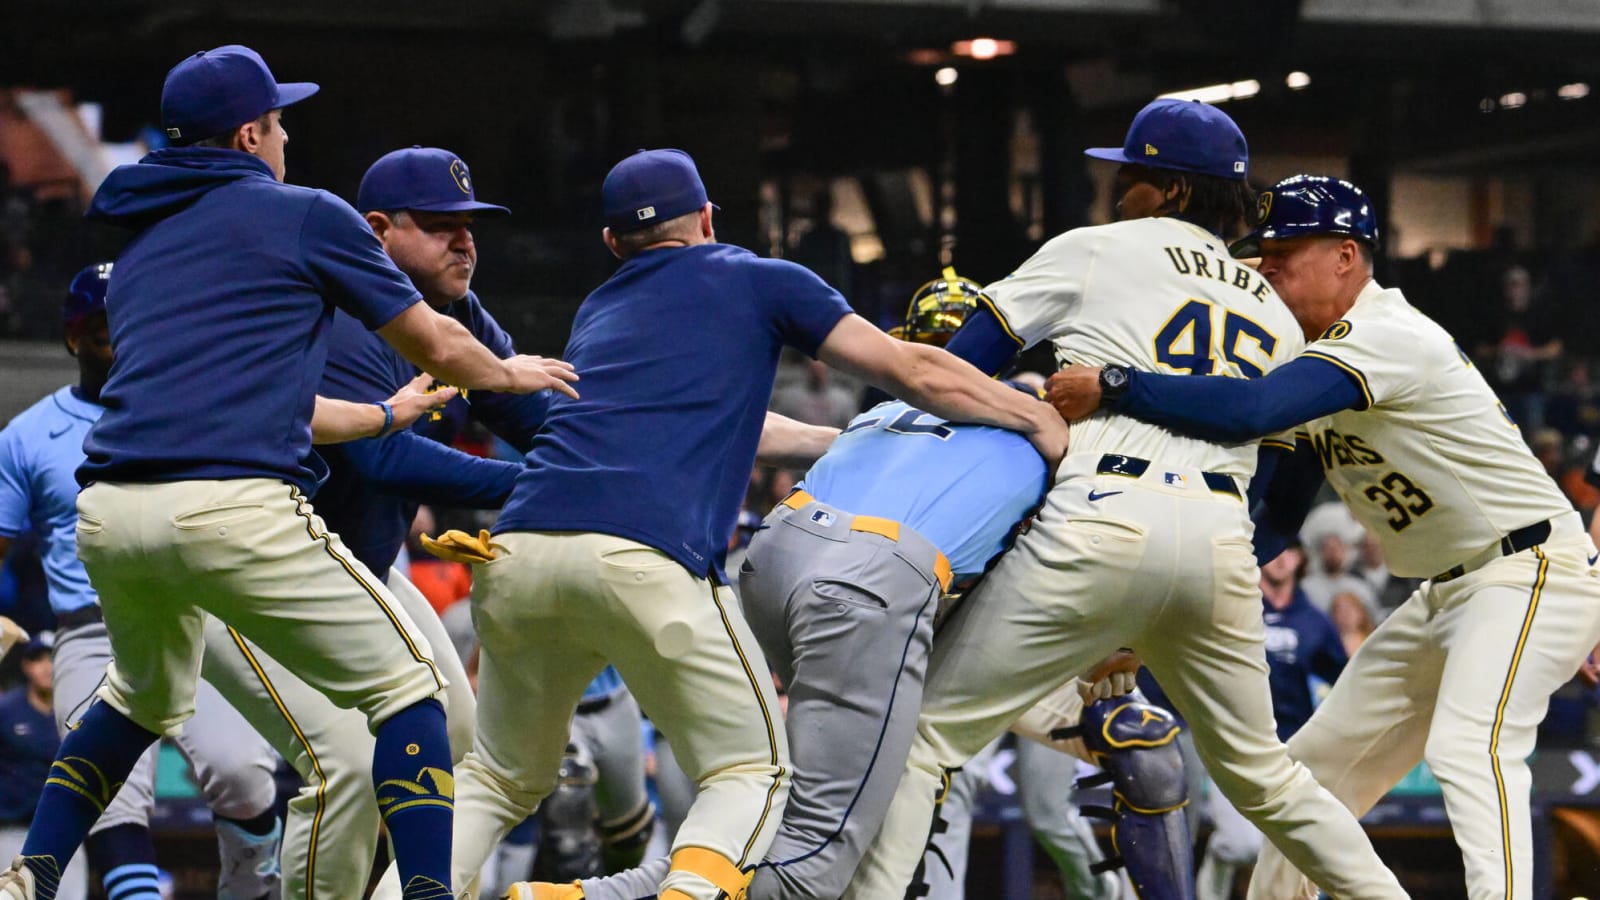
{"points": [[623, 547], [39, 451], [840, 586], [420, 202], [197, 473], [1144, 539], [1409, 434]]}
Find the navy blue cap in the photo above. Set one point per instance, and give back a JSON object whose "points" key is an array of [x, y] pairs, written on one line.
{"points": [[38, 645], [216, 91], [87, 293], [421, 178], [649, 187], [1304, 205], [1186, 135]]}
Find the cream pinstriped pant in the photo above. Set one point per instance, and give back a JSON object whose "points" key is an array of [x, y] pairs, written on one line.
{"points": [[551, 610], [1460, 675], [252, 553]]}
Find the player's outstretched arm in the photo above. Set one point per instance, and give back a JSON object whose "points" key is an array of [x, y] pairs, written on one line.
{"points": [[1227, 410], [439, 344], [789, 444], [945, 385], [337, 421]]}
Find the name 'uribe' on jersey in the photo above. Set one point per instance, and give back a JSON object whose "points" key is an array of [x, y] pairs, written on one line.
{"points": [[1216, 317]]}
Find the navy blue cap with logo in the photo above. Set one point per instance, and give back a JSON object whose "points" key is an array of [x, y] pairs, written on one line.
{"points": [[650, 187], [421, 178], [1185, 135], [216, 91], [1306, 205], [87, 293]]}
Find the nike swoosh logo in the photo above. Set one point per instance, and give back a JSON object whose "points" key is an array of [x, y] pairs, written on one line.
{"points": [[56, 434], [1593, 558], [1101, 496]]}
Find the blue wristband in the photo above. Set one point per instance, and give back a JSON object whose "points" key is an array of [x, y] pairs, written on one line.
{"points": [[388, 418]]}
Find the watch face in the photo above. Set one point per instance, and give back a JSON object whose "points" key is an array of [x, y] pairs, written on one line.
{"points": [[1113, 378]]}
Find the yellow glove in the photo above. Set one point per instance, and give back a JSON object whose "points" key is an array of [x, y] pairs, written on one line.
{"points": [[11, 634], [458, 546]]}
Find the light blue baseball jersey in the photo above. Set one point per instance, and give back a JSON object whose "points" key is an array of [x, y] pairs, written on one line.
{"points": [[39, 452], [608, 682], [961, 486]]}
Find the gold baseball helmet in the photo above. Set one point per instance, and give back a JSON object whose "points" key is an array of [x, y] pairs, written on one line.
{"points": [[938, 308]]}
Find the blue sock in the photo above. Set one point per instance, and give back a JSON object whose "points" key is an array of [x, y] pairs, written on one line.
{"points": [[127, 857], [91, 765], [416, 794]]}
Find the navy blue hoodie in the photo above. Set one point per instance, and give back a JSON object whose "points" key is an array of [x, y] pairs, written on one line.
{"points": [[219, 310]]}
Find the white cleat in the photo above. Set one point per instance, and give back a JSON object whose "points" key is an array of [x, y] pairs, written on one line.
{"points": [[16, 883]]}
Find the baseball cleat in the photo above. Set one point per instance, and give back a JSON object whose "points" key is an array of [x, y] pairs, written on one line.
{"points": [[16, 883], [544, 890]]}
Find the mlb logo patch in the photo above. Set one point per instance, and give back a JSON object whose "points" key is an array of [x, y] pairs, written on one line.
{"points": [[649, 212], [1176, 480], [822, 517], [1238, 167]]}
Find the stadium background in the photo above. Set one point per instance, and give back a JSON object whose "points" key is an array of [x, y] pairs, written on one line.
{"points": [[875, 141]]}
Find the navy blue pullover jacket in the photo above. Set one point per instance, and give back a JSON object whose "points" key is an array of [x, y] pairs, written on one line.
{"points": [[219, 310]]}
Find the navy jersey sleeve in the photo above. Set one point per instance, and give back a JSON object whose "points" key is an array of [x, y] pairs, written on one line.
{"points": [[1230, 410], [984, 341], [361, 368], [411, 466], [514, 418], [806, 309], [1285, 499], [349, 265], [1328, 657]]}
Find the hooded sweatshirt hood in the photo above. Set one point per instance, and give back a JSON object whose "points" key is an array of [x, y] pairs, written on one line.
{"points": [[168, 181]]}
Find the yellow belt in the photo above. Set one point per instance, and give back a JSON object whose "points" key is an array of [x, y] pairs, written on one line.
{"points": [[888, 528]]}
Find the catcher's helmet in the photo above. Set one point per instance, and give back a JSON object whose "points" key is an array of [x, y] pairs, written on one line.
{"points": [[938, 308], [1304, 205], [87, 293]]}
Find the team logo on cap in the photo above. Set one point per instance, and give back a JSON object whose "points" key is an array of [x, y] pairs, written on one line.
{"points": [[1263, 206], [458, 171], [1150, 150]]}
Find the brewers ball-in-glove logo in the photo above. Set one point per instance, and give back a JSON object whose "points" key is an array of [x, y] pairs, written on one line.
{"points": [[458, 171], [1336, 331], [1263, 206]]}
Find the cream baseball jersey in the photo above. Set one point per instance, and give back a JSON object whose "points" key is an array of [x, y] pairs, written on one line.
{"points": [[1160, 295], [1433, 467]]}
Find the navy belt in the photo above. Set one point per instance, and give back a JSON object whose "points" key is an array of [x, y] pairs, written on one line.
{"points": [[83, 615], [1134, 467], [590, 707], [1515, 542]]}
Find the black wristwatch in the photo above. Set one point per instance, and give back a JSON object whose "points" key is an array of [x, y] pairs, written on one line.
{"points": [[1113, 384]]}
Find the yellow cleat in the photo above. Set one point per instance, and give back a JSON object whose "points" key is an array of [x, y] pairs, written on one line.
{"points": [[544, 890]]}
